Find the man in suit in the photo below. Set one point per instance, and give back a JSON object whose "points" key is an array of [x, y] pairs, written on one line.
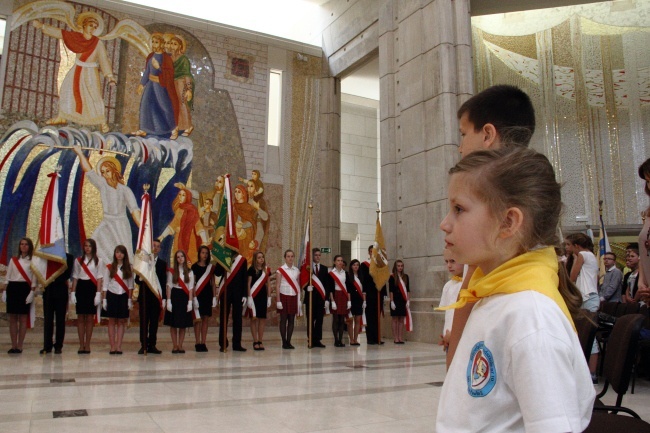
{"points": [[374, 303], [149, 306], [236, 295], [55, 303], [319, 291]]}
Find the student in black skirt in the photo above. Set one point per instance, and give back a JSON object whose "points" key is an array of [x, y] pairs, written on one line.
{"points": [[358, 299], [87, 278], [204, 297], [258, 297], [398, 302], [180, 289], [19, 293], [118, 289]]}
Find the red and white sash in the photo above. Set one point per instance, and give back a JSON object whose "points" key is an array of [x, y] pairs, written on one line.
{"points": [[337, 281], [358, 286], [204, 280], [318, 284], [230, 274], [255, 289], [119, 280], [91, 277], [294, 286], [408, 319], [32, 307]]}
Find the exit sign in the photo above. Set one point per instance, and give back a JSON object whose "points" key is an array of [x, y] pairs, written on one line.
{"points": [[326, 250]]}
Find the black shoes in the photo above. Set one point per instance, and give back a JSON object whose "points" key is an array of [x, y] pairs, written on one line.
{"points": [[319, 344], [339, 344], [141, 351], [45, 351], [200, 348], [154, 350], [287, 346], [239, 349], [14, 351], [58, 350]]}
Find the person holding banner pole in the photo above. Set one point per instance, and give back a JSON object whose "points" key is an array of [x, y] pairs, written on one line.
{"points": [[87, 280], [204, 297], [117, 301], [339, 300], [55, 302], [358, 298], [258, 297], [19, 293], [232, 296], [149, 306], [288, 303], [320, 285], [180, 289], [399, 300]]}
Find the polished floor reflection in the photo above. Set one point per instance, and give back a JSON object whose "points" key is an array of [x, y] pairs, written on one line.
{"points": [[364, 389]]}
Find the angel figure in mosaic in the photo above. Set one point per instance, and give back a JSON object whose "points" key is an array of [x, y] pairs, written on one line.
{"points": [[80, 96]]}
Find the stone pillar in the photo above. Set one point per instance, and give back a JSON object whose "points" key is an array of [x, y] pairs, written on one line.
{"points": [[425, 74], [327, 222]]}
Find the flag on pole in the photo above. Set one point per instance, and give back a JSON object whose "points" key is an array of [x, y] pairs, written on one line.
{"points": [[305, 258], [225, 242], [379, 261], [603, 246], [144, 264], [49, 260]]}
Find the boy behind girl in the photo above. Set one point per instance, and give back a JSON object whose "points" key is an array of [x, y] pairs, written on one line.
{"points": [[499, 116]]}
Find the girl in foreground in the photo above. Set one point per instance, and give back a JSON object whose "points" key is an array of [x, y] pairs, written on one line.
{"points": [[519, 365]]}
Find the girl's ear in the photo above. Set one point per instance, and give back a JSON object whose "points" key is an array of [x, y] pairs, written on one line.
{"points": [[512, 222]]}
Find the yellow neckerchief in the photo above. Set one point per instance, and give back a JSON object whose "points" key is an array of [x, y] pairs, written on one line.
{"points": [[535, 270], [456, 278]]}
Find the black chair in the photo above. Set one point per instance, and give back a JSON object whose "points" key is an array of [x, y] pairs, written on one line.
{"points": [[587, 325], [618, 364]]}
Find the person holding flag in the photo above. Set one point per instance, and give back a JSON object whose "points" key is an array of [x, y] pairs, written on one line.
{"points": [[399, 301], [117, 297], [319, 289], [232, 296], [19, 293], [288, 304], [204, 297], [339, 300], [87, 281], [52, 267], [150, 272], [180, 289], [259, 299]]}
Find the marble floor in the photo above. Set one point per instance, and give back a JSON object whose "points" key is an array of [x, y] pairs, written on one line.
{"points": [[364, 389]]}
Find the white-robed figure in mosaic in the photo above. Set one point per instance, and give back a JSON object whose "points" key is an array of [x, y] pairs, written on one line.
{"points": [[81, 97], [114, 228]]}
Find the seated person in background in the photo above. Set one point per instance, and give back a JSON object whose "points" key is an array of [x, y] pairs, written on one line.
{"points": [[631, 279], [610, 285]]}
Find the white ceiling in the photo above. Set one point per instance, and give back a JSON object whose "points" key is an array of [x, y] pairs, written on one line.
{"points": [[364, 81]]}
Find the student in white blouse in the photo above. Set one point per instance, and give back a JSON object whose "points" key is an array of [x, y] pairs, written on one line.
{"points": [[19, 293], [117, 303], [180, 292]]}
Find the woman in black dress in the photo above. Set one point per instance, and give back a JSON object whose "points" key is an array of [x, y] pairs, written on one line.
{"points": [[180, 289], [19, 293], [258, 297], [358, 299], [117, 303], [399, 300], [87, 279], [204, 297]]}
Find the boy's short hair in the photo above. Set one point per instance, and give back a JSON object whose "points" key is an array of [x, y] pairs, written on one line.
{"points": [[633, 246], [506, 107]]}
